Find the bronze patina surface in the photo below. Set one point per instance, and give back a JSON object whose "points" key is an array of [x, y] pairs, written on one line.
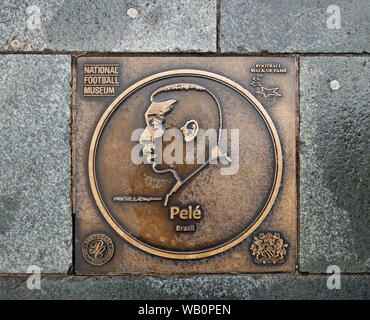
{"points": [[185, 165]]}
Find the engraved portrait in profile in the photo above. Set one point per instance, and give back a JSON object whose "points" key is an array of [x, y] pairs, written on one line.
{"points": [[187, 129]]}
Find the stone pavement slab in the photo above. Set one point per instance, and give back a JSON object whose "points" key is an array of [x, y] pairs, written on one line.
{"points": [[295, 26], [108, 26], [334, 163], [261, 287], [35, 215]]}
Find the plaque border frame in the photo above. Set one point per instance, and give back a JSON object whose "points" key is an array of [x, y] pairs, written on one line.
{"points": [[198, 254]]}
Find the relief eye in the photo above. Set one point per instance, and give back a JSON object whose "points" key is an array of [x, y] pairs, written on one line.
{"points": [[158, 132], [158, 129]]}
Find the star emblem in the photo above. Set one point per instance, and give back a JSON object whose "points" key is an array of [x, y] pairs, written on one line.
{"points": [[269, 92]]}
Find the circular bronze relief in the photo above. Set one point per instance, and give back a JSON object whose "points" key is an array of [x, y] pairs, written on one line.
{"points": [[97, 249], [185, 209]]}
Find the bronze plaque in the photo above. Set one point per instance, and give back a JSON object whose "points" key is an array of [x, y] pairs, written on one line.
{"points": [[185, 165]]}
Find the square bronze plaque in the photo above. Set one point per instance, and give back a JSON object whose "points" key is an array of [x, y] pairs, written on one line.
{"points": [[185, 165]]}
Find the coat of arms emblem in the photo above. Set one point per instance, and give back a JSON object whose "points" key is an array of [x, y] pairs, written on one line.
{"points": [[269, 248]]}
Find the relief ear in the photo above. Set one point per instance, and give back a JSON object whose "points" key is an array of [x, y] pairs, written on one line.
{"points": [[190, 130]]}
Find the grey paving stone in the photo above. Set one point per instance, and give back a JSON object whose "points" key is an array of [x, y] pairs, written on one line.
{"points": [[334, 164], [263, 287], [35, 217], [108, 26], [293, 26]]}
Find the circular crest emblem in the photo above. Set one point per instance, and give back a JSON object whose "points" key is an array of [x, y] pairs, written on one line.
{"points": [[98, 249]]}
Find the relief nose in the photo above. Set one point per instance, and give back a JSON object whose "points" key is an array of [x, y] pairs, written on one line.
{"points": [[145, 137]]}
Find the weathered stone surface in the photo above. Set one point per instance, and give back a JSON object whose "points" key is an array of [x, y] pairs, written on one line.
{"points": [[293, 26], [75, 25], [334, 169], [35, 217], [264, 287]]}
